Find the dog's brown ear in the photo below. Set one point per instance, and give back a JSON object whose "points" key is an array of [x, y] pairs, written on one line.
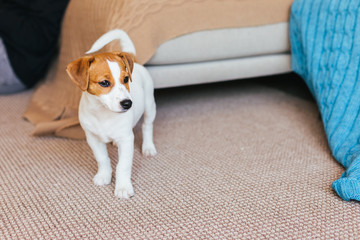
{"points": [[78, 71], [128, 60]]}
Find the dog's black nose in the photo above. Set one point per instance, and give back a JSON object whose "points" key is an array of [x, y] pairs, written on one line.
{"points": [[126, 104]]}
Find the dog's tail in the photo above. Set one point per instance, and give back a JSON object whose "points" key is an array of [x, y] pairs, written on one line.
{"points": [[116, 34]]}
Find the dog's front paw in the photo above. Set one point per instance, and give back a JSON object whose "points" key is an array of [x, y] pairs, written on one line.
{"points": [[124, 190], [149, 150], [102, 178]]}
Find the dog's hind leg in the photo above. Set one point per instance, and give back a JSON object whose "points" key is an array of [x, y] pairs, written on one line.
{"points": [[148, 147]]}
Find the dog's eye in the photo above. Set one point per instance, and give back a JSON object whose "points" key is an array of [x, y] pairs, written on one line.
{"points": [[104, 83], [126, 79]]}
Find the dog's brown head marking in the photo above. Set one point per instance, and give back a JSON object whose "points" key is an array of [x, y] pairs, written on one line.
{"points": [[92, 73]]}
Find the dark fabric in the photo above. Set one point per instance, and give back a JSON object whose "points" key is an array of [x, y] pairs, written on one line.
{"points": [[30, 30]]}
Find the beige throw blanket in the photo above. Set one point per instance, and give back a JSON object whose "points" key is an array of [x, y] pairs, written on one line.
{"points": [[53, 108]]}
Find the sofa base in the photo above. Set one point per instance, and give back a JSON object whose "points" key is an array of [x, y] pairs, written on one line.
{"points": [[222, 70]]}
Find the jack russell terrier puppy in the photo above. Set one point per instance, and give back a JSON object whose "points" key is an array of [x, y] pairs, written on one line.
{"points": [[116, 93]]}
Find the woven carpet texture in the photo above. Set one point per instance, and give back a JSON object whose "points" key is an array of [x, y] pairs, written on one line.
{"points": [[236, 160]]}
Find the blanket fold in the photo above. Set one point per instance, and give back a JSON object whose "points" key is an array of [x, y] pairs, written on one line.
{"points": [[325, 46]]}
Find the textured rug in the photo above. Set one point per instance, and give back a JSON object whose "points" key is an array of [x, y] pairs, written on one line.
{"points": [[237, 160]]}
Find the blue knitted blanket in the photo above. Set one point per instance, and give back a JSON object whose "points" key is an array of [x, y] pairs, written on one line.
{"points": [[325, 44]]}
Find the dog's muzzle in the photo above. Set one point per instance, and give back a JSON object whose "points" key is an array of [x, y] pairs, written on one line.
{"points": [[126, 104]]}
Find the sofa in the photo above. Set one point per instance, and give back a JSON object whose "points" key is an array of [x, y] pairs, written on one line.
{"points": [[250, 40], [221, 54]]}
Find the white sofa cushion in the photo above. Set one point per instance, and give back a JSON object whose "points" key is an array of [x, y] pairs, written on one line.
{"points": [[223, 44]]}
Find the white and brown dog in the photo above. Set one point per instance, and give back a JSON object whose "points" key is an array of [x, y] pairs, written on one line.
{"points": [[116, 93]]}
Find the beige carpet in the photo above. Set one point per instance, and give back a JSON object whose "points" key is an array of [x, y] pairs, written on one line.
{"points": [[238, 160]]}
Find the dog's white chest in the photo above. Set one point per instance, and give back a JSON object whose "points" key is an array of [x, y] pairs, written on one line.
{"points": [[107, 127]]}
